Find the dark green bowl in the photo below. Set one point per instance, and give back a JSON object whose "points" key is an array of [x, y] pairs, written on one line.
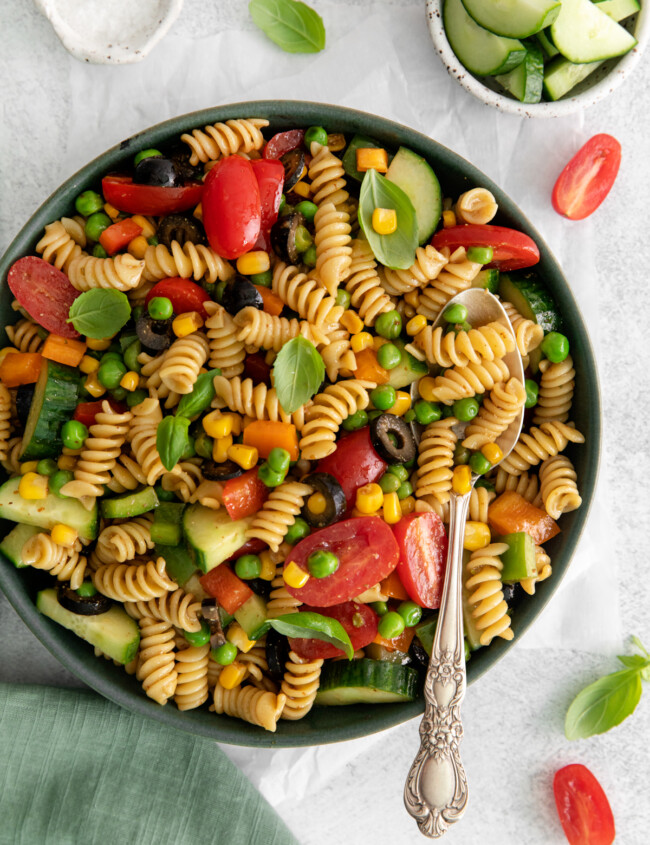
{"points": [[326, 724]]}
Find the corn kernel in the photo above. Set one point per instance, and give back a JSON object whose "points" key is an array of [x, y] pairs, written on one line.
{"points": [[477, 536], [64, 535], [93, 386], [236, 424], [427, 389], [244, 456], [218, 425], [351, 321], [392, 508], [148, 229], [335, 142], [407, 505], [294, 576], [33, 486], [98, 345], [232, 676], [357, 512], [402, 403], [28, 466], [257, 261], [361, 341], [220, 449], [186, 323], [268, 566], [317, 503], [237, 636], [198, 212], [492, 452], [416, 324], [112, 212], [66, 462], [448, 219], [384, 221], [303, 189], [378, 342], [461, 480], [369, 498], [88, 364], [138, 247], [130, 381]]}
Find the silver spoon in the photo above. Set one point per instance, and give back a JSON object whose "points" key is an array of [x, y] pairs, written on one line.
{"points": [[436, 793]]}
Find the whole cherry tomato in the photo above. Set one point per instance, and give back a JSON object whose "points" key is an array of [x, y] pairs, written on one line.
{"points": [[232, 213], [582, 806], [587, 178], [512, 250]]}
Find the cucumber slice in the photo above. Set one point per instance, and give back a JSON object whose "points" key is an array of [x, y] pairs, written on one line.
{"points": [[408, 370], [114, 632], [583, 33], [482, 52], [525, 81], [544, 41], [131, 504], [420, 184], [425, 631], [487, 279], [519, 561], [513, 18], [618, 10], [167, 527], [212, 535], [561, 76], [252, 617], [180, 565], [532, 299], [366, 681], [48, 512], [349, 160], [54, 401], [12, 545]]}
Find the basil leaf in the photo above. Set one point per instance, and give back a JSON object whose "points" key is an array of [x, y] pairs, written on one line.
{"points": [[292, 25], [99, 313], [637, 642], [603, 704], [172, 440], [298, 372], [199, 399], [309, 625], [396, 250], [634, 661]]}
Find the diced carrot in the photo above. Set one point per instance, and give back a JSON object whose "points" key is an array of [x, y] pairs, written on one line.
{"points": [[226, 587], [265, 435], [371, 157], [120, 234], [20, 368], [393, 587], [273, 305], [401, 643], [369, 368], [511, 513], [64, 350]]}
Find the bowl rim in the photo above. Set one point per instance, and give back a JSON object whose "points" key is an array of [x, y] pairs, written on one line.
{"points": [[559, 108], [120, 689]]}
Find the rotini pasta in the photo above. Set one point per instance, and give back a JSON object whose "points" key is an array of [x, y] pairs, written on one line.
{"points": [[226, 352], [558, 486], [178, 608], [133, 582], [156, 664], [338, 355], [185, 479], [65, 563], [544, 571], [555, 391], [456, 276], [539, 444], [5, 422], [58, 247], [257, 401], [259, 330], [120, 273], [190, 260], [327, 177], [305, 296], [26, 335], [279, 512], [427, 266], [300, 685], [127, 474], [192, 683], [498, 411], [333, 251], [528, 335], [183, 362], [476, 206], [280, 601], [250, 704], [485, 343], [328, 411], [436, 459], [224, 139], [142, 435], [463, 382], [125, 541], [363, 285], [525, 485], [151, 379], [479, 502], [489, 609], [11, 449]]}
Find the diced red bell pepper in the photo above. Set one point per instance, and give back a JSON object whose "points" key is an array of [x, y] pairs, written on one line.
{"points": [[511, 513], [86, 412], [126, 195], [226, 587], [119, 235], [244, 495], [183, 294]]}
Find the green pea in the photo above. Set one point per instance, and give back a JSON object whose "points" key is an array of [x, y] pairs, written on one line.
{"points": [[99, 251], [146, 154], [399, 471], [198, 638], [135, 397], [264, 279], [46, 467], [480, 254], [153, 241], [389, 325], [225, 654], [479, 464], [410, 612], [248, 566], [380, 607], [59, 480], [409, 464], [96, 224], [455, 313], [483, 482], [316, 133], [73, 434], [383, 397], [110, 373], [203, 445], [86, 589], [279, 460], [389, 483], [322, 563], [372, 415], [343, 298], [219, 290], [465, 409], [164, 495], [110, 355], [426, 412], [409, 416], [137, 312], [269, 476], [303, 239], [309, 256], [532, 393], [307, 209], [160, 308], [119, 393], [555, 346], [405, 489], [88, 203], [355, 421], [461, 454], [388, 356], [391, 625], [131, 356], [297, 532]]}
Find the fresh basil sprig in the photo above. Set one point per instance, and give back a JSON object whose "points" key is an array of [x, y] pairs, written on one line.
{"points": [[292, 25], [298, 372], [396, 250], [609, 700], [310, 625], [172, 440], [199, 399], [99, 312]]}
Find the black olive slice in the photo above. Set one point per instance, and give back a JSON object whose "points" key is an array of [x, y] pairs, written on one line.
{"points": [[336, 503], [181, 228], [283, 237], [260, 586], [392, 439], [294, 167], [220, 472], [24, 396], [157, 171], [277, 653], [240, 293], [419, 654], [82, 605], [154, 334]]}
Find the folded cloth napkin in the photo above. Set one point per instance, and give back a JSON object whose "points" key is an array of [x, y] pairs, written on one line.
{"points": [[77, 770]]}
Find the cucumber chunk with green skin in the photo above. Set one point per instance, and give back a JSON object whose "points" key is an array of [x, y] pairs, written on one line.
{"points": [[482, 52], [519, 561], [349, 159], [544, 41], [416, 178], [47, 512], [366, 681], [12, 545], [130, 504], [55, 398], [213, 536], [167, 526], [425, 631], [583, 33], [178, 560], [408, 370], [618, 10], [561, 75], [532, 299], [513, 18], [525, 82], [114, 632], [252, 617], [487, 280]]}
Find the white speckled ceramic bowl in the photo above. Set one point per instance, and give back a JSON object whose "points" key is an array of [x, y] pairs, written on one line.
{"points": [[596, 87]]}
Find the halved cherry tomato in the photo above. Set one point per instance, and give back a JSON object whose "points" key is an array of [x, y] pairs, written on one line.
{"points": [[512, 249], [587, 178], [44, 292], [244, 495], [255, 367], [284, 142], [359, 621], [582, 806], [120, 234], [183, 294], [232, 213], [126, 195], [353, 463], [422, 544], [86, 412], [270, 181], [367, 552], [226, 587]]}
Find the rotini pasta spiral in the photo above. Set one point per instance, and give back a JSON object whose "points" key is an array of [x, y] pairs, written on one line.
{"points": [[259, 402], [184, 481], [11, 449], [426, 267], [363, 285], [485, 343], [333, 251], [305, 296], [479, 502], [526, 485], [283, 505], [260, 330], [280, 601], [183, 362], [178, 608], [133, 582], [338, 355], [58, 247], [224, 139], [558, 486], [499, 410], [456, 276], [464, 382], [528, 334], [258, 707], [127, 474], [125, 541], [476, 206], [150, 375], [226, 352], [539, 444], [192, 684], [325, 415], [489, 608], [257, 666], [25, 335], [436, 459], [5, 421], [64, 562], [189, 260], [300, 685], [555, 391], [214, 670], [327, 177], [156, 665], [142, 434], [543, 571], [120, 273]]}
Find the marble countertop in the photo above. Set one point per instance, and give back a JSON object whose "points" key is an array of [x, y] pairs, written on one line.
{"points": [[514, 717]]}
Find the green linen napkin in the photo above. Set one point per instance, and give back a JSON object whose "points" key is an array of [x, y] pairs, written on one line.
{"points": [[77, 770]]}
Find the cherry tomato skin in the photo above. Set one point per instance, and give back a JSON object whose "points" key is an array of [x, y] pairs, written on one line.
{"points": [[86, 412], [183, 294], [244, 495], [283, 143], [587, 178], [422, 542], [359, 620], [582, 806], [126, 195], [367, 552], [270, 181], [232, 213], [353, 463], [255, 367], [512, 250], [44, 292]]}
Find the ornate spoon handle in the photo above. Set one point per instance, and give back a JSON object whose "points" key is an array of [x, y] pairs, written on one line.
{"points": [[436, 787]]}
